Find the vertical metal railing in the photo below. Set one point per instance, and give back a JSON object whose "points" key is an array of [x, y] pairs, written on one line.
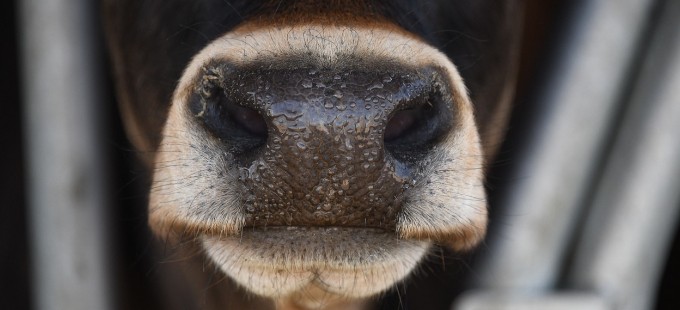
{"points": [[631, 223], [596, 199], [579, 102], [66, 168]]}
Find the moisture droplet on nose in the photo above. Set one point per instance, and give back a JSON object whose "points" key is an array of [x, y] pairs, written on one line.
{"points": [[376, 84], [337, 94], [348, 145], [307, 83], [328, 104]]}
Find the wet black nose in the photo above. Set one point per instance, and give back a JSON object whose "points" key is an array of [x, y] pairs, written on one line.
{"points": [[324, 147]]}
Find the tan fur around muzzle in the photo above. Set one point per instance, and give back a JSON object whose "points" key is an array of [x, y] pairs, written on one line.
{"points": [[194, 190]]}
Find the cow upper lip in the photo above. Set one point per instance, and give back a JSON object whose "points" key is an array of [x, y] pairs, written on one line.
{"points": [[311, 231]]}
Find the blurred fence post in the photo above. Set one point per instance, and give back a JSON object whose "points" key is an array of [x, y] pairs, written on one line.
{"points": [[579, 100], [66, 167], [629, 230], [597, 197]]}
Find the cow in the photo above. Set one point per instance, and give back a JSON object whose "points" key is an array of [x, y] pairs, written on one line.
{"points": [[314, 152]]}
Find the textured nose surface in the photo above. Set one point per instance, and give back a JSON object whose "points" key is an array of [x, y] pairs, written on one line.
{"points": [[323, 161]]}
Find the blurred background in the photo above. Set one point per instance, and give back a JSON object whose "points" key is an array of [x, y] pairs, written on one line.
{"points": [[585, 194]]}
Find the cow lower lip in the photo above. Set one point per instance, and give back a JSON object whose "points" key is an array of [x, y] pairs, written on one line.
{"points": [[314, 247], [348, 261]]}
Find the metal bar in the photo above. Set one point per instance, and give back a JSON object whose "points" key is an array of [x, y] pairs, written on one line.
{"points": [[66, 175], [580, 99], [558, 301], [627, 235]]}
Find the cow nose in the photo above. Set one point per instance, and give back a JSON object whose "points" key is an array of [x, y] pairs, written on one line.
{"points": [[323, 147]]}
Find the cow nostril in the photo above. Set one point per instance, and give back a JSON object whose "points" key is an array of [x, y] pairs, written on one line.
{"points": [[400, 124], [240, 128], [412, 132], [250, 120]]}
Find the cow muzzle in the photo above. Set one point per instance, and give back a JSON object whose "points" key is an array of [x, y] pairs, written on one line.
{"points": [[323, 147], [318, 156]]}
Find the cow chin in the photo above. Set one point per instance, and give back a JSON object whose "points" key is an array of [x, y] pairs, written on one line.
{"points": [[369, 211]]}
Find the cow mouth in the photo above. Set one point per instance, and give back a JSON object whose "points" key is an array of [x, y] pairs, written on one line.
{"points": [[315, 230], [311, 247], [348, 261]]}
